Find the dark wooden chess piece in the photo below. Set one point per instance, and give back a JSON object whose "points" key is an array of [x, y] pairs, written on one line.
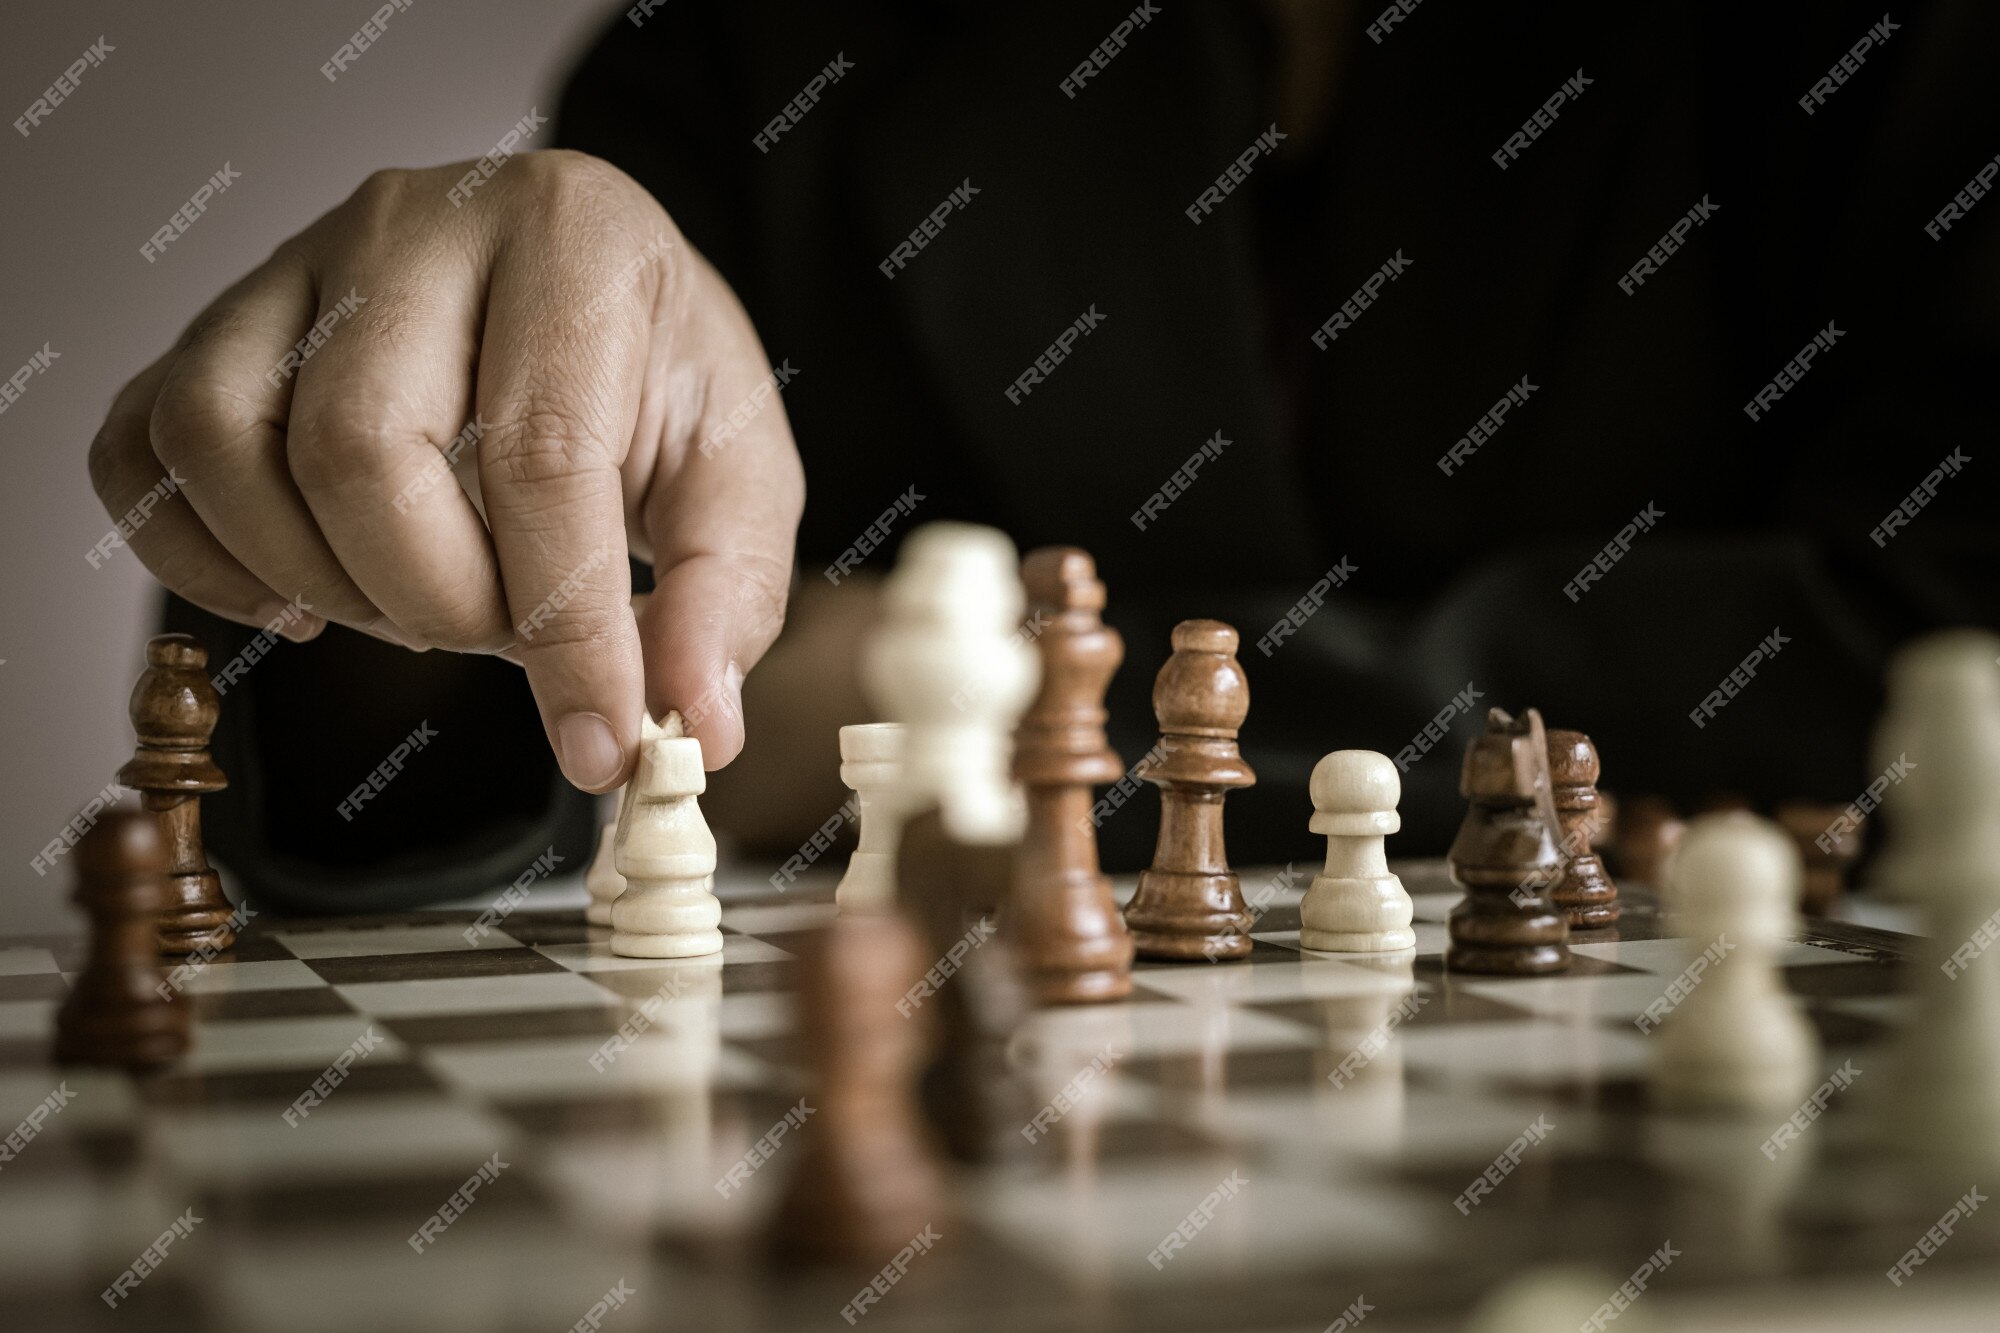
{"points": [[971, 986], [1062, 920], [1189, 904], [117, 1013], [1506, 856], [174, 711], [1827, 846], [1586, 895], [867, 1180], [1649, 828]]}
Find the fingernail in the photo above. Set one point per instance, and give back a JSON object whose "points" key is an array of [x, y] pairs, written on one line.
{"points": [[588, 751], [384, 629], [292, 622]]}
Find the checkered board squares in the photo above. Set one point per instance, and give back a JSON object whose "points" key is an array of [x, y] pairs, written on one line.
{"points": [[486, 1045]]}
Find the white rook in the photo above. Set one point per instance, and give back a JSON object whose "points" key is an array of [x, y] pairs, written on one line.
{"points": [[871, 763]]}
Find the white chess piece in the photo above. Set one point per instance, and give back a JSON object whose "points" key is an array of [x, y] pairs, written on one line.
{"points": [[1357, 904], [951, 662], [1738, 1041], [1942, 1098], [871, 755], [666, 853], [602, 880], [1561, 1296]]}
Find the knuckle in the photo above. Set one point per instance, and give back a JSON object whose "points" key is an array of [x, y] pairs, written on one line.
{"points": [[763, 595], [332, 595], [340, 450], [466, 624], [106, 449], [569, 181], [547, 439], [379, 193], [196, 417], [593, 631]]}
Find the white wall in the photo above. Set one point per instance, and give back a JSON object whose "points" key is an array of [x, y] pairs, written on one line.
{"points": [[184, 89]]}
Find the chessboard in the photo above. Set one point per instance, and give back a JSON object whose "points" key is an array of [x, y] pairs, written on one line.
{"points": [[419, 1121]]}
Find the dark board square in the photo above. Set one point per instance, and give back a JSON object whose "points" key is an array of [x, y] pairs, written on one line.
{"points": [[34, 986], [1441, 1008], [252, 946], [551, 928], [296, 1002], [443, 965], [280, 1087], [521, 1025], [1431, 967], [1292, 1066]]}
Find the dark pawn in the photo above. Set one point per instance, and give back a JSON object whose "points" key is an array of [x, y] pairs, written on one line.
{"points": [[1189, 904], [971, 987], [1585, 895], [1828, 845], [116, 1013], [1505, 856], [867, 1179], [1648, 830], [174, 710], [1060, 916]]}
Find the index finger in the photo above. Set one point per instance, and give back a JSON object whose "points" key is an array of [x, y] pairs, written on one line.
{"points": [[562, 397]]}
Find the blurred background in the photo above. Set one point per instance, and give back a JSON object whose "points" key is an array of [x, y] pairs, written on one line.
{"points": [[1758, 526], [183, 90]]}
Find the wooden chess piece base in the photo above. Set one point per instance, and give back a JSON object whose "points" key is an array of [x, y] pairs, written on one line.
{"points": [[121, 1034], [117, 1012], [867, 1179], [1180, 915], [1087, 968], [1586, 896], [1071, 942], [1489, 934], [197, 917]]}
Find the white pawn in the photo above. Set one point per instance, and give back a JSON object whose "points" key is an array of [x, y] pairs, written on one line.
{"points": [[1943, 1097], [871, 755], [1738, 1041], [666, 853], [1357, 904], [950, 661]]}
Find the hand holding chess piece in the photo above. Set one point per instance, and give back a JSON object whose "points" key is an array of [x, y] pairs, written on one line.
{"points": [[117, 1013], [666, 853], [1356, 904], [174, 712], [1189, 903]]}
